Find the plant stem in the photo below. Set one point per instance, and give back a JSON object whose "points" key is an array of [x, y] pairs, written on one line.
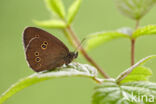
{"points": [[68, 37], [76, 42], [133, 46], [137, 24], [132, 52]]}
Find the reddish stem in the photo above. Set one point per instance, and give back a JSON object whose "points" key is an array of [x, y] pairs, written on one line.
{"points": [[84, 53], [132, 52], [133, 45]]}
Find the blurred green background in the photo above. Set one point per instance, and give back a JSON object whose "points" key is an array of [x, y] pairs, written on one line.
{"points": [[93, 16]]}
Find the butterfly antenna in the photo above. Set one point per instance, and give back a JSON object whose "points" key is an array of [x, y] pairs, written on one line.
{"points": [[80, 45]]}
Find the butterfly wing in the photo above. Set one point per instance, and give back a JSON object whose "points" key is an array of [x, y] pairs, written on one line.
{"points": [[43, 50]]}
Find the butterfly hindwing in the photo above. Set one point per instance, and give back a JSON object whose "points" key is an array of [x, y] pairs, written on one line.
{"points": [[43, 50]]}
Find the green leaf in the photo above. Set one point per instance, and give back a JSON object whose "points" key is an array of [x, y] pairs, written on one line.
{"points": [[135, 9], [73, 69], [126, 30], [128, 93], [147, 30], [72, 11], [133, 74], [57, 7], [97, 39], [51, 24], [138, 74]]}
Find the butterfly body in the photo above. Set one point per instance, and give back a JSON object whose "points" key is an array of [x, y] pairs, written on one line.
{"points": [[44, 51]]}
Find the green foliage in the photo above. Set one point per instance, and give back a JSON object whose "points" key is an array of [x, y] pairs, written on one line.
{"points": [[131, 82], [138, 74], [135, 9], [74, 69], [99, 38], [57, 7], [147, 30], [51, 24], [127, 93], [72, 11]]}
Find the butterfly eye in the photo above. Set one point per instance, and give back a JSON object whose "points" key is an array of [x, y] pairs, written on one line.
{"points": [[37, 36], [36, 53], [37, 59], [43, 46], [45, 42]]}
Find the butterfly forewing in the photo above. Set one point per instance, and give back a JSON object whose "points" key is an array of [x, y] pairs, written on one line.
{"points": [[43, 50]]}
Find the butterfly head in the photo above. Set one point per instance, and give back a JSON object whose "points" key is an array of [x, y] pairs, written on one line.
{"points": [[74, 54], [69, 58]]}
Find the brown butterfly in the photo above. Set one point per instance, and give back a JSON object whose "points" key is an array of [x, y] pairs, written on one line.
{"points": [[44, 51]]}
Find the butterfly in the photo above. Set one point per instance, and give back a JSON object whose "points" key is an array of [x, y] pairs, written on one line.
{"points": [[44, 51]]}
